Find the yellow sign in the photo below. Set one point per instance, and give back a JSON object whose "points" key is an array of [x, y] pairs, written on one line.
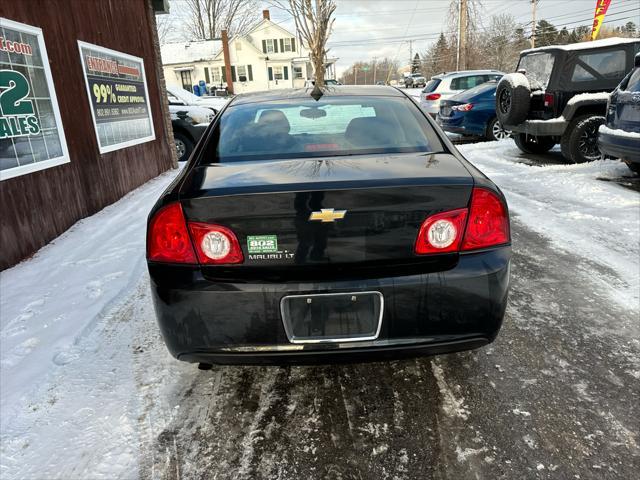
{"points": [[598, 18], [327, 215]]}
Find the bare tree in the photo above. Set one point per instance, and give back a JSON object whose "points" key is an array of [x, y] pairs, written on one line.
{"points": [[207, 18], [164, 27], [313, 19]]}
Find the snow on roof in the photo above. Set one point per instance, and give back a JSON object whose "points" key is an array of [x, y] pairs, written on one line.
{"points": [[189, 52], [605, 42]]}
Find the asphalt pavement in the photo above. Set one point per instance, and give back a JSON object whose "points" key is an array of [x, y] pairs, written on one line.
{"points": [[557, 396]]}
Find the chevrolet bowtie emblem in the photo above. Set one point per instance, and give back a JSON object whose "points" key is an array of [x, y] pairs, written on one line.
{"points": [[327, 215]]}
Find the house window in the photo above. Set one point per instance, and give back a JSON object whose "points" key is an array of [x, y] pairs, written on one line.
{"points": [[297, 72], [216, 76], [242, 72], [185, 79], [270, 48], [277, 73], [31, 133], [287, 45]]}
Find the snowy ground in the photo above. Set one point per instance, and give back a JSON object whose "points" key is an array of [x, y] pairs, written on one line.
{"points": [[89, 391]]}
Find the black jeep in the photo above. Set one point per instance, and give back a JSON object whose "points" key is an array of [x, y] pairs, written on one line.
{"points": [[559, 95]]}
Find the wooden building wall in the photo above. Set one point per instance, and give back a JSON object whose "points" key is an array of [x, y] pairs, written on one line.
{"points": [[37, 207]]}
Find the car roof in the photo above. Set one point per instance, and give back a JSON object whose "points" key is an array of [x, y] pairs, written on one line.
{"points": [[305, 93], [464, 73], [605, 42]]}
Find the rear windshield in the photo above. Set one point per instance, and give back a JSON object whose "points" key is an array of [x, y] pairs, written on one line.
{"points": [[431, 85], [538, 67], [332, 126]]}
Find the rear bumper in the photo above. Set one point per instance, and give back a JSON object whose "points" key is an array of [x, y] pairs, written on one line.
{"points": [[554, 127], [460, 125], [618, 146], [241, 323]]}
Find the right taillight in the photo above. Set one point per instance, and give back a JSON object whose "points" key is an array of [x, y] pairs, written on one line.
{"points": [[432, 96], [488, 222], [484, 224]]}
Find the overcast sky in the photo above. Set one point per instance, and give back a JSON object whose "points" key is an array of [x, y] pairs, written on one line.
{"points": [[365, 29], [381, 28]]}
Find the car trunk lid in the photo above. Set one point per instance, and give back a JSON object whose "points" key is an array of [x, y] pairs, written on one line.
{"points": [[338, 211]]}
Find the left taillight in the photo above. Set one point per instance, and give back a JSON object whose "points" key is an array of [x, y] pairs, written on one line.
{"points": [[171, 239], [168, 238], [484, 224]]}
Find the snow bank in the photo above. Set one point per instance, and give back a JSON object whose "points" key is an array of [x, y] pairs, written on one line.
{"points": [[53, 300], [568, 204]]}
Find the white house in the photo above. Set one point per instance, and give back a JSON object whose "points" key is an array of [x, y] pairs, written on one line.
{"points": [[265, 58]]}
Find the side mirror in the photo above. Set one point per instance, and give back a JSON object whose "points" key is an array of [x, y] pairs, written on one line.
{"points": [[637, 60]]}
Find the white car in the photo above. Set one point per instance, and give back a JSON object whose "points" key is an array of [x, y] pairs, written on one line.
{"points": [[446, 85], [180, 96]]}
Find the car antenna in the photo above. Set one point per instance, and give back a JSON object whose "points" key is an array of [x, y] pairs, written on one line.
{"points": [[316, 93]]}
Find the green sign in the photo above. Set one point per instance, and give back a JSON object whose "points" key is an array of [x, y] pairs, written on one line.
{"points": [[262, 243], [31, 132], [365, 69], [18, 115]]}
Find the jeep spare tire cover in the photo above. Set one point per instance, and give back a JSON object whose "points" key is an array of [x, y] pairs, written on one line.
{"points": [[513, 97]]}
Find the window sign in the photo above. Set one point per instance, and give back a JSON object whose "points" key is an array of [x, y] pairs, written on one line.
{"points": [[31, 133], [117, 90]]}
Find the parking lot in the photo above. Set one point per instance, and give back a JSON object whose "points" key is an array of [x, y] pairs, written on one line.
{"points": [[555, 396]]}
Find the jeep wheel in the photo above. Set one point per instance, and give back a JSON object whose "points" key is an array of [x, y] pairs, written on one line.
{"points": [[513, 97], [580, 141], [531, 144]]}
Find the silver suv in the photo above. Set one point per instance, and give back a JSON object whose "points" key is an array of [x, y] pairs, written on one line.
{"points": [[446, 85]]}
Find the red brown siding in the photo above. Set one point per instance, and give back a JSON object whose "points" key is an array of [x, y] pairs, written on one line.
{"points": [[37, 207]]}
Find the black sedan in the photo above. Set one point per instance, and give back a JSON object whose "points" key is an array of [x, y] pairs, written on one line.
{"points": [[342, 226], [620, 136]]}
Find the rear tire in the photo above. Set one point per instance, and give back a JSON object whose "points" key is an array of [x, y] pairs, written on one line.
{"points": [[532, 144], [184, 146], [513, 97], [634, 167], [580, 140], [495, 131]]}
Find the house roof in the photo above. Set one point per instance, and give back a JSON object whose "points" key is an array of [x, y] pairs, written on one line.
{"points": [[187, 52]]}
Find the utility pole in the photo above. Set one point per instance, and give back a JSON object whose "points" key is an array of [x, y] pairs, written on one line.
{"points": [[355, 75], [534, 3], [410, 52], [375, 66], [459, 35], [461, 57]]}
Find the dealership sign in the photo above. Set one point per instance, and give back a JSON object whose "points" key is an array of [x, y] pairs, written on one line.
{"points": [[31, 133], [117, 90]]}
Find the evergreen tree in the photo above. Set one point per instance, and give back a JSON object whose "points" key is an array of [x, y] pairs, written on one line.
{"points": [[546, 34], [416, 64]]}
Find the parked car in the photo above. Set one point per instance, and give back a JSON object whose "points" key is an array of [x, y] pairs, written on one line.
{"points": [[179, 96], [446, 85], [415, 80], [189, 123], [620, 136], [473, 112], [559, 94], [362, 233]]}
